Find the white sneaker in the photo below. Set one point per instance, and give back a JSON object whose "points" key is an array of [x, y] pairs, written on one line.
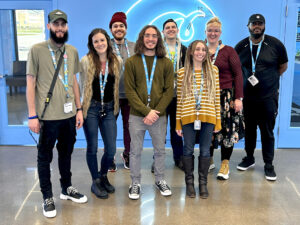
{"points": [[163, 188], [134, 191], [73, 195], [49, 208]]}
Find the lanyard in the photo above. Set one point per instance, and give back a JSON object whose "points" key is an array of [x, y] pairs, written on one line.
{"points": [[118, 50], [170, 56], [216, 54], [65, 80], [149, 81], [103, 82], [198, 95], [119, 53], [257, 53]]}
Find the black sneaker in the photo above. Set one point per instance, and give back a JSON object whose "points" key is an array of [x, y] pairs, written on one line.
{"points": [[270, 172], [246, 163], [113, 167], [163, 188], [152, 167], [125, 159], [49, 208], [73, 195], [105, 183], [134, 191]]}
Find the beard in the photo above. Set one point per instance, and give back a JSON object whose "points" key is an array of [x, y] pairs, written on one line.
{"points": [[59, 40], [256, 35], [118, 38]]}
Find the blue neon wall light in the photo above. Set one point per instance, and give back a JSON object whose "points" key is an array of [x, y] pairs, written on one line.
{"points": [[191, 17]]}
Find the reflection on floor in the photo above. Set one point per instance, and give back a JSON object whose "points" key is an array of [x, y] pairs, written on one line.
{"points": [[17, 107], [246, 198]]}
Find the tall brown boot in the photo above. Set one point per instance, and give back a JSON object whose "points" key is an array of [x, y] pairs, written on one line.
{"points": [[188, 165], [203, 166]]}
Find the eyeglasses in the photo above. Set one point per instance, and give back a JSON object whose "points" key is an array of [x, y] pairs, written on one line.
{"points": [[151, 35]]}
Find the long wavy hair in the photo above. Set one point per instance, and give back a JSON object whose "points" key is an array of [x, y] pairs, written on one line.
{"points": [[208, 72], [94, 57], [140, 46]]}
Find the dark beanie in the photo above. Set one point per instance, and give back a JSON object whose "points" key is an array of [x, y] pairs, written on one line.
{"points": [[118, 17]]}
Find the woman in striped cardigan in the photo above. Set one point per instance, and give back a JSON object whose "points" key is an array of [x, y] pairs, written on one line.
{"points": [[198, 111]]}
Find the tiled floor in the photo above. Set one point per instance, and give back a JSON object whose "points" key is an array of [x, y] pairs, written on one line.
{"points": [[246, 198]]}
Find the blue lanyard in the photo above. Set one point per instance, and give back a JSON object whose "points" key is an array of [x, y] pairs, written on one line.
{"points": [[216, 54], [118, 50], [149, 81], [257, 53], [65, 80], [119, 53], [198, 95], [170, 56], [103, 82]]}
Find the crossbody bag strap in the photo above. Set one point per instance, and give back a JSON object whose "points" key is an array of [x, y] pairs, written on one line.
{"points": [[49, 95]]}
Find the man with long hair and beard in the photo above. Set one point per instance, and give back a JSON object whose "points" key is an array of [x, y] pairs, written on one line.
{"points": [[149, 89], [264, 60], [64, 112]]}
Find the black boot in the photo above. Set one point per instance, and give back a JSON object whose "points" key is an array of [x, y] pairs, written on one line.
{"points": [[203, 166], [179, 163], [98, 189], [188, 165], [105, 183]]}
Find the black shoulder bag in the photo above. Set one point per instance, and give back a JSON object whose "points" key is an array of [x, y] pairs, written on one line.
{"points": [[49, 95]]}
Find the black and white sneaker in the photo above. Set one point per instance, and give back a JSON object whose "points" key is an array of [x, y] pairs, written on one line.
{"points": [[73, 195], [49, 208], [113, 166], [125, 159], [246, 163], [134, 191], [164, 189], [270, 172]]}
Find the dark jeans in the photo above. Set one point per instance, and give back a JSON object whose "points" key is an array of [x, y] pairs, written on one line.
{"points": [[64, 131], [176, 141], [125, 111], [108, 130], [262, 114], [189, 136]]}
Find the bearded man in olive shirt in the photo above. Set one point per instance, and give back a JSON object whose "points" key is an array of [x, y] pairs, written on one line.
{"points": [[149, 88], [59, 121]]}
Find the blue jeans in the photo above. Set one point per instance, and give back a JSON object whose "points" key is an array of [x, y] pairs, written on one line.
{"points": [[108, 129], [189, 136]]}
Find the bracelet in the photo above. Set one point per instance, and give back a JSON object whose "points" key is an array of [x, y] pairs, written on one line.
{"points": [[33, 117], [79, 109]]}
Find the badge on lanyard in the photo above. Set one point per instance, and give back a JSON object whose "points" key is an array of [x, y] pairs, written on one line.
{"points": [[197, 125], [68, 107], [253, 79]]}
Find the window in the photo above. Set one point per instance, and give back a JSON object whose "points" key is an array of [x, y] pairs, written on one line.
{"points": [[29, 29]]}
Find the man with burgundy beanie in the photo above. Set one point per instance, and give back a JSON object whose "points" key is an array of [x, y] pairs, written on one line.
{"points": [[124, 49]]}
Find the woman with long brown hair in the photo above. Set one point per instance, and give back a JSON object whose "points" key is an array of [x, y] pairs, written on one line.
{"points": [[198, 111], [99, 82]]}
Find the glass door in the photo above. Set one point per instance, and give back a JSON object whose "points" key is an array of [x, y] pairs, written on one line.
{"points": [[21, 27], [289, 111]]}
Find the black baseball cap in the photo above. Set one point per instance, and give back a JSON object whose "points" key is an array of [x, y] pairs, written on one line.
{"points": [[256, 18], [57, 14]]}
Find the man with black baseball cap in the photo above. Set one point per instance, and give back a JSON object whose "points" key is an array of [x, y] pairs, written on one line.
{"points": [[264, 60], [55, 114]]}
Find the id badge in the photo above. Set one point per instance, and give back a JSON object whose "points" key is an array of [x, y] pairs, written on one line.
{"points": [[68, 107], [197, 125], [253, 80]]}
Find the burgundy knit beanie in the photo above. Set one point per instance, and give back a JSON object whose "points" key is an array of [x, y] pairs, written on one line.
{"points": [[118, 17]]}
